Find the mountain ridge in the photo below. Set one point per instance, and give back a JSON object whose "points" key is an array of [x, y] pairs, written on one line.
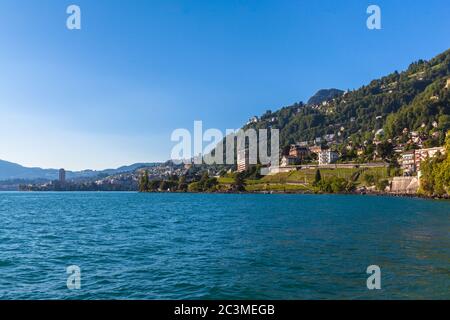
{"points": [[417, 98], [13, 171], [324, 95]]}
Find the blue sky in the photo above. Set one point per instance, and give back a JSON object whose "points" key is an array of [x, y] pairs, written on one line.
{"points": [[112, 93]]}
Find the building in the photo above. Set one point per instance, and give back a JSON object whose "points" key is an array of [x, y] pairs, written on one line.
{"points": [[298, 152], [315, 149], [302, 143], [288, 161], [360, 151], [422, 154], [62, 175], [411, 160], [254, 119], [327, 157], [408, 162], [330, 137], [243, 160]]}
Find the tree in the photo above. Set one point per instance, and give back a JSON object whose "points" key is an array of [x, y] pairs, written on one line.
{"points": [[154, 185], [143, 182], [382, 184], [369, 179], [386, 151], [435, 179], [194, 187], [182, 185], [317, 177], [164, 186], [204, 179], [239, 182]]}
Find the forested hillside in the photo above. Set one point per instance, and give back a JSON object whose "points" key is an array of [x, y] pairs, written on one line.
{"points": [[416, 99]]}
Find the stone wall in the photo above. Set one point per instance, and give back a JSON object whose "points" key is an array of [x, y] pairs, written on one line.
{"points": [[405, 185]]}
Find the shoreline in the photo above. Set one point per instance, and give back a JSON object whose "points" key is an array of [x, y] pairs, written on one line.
{"points": [[378, 194]]}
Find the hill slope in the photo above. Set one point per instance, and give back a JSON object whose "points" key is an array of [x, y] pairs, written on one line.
{"points": [[324, 95], [413, 99], [13, 171]]}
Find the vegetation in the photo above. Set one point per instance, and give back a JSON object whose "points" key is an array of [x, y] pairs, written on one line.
{"points": [[415, 99], [317, 177], [365, 125], [335, 185], [239, 182], [178, 184], [435, 180]]}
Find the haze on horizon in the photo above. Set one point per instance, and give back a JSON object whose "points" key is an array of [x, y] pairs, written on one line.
{"points": [[111, 93]]}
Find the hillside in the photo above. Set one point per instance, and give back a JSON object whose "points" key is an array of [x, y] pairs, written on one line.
{"points": [[9, 170], [324, 95], [13, 171], [416, 99]]}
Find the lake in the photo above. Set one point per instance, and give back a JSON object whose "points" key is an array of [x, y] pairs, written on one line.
{"points": [[222, 246]]}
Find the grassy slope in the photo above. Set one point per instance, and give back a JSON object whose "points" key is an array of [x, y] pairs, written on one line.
{"points": [[302, 180]]}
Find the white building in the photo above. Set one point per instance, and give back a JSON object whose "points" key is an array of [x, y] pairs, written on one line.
{"points": [[288, 161], [243, 160], [327, 157]]}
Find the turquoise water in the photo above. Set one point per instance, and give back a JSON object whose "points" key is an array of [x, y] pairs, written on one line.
{"points": [[218, 246]]}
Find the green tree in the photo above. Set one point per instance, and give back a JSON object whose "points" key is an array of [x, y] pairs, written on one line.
{"points": [[317, 177], [195, 187], [369, 179], [382, 184], [239, 182], [154, 185], [435, 173], [182, 184], [143, 182], [164, 186], [386, 151]]}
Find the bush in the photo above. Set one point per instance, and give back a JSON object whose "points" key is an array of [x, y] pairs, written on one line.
{"points": [[335, 185], [369, 179], [382, 184], [194, 187]]}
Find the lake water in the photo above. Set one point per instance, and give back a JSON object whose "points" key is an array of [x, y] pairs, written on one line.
{"points": [[220, 246]]}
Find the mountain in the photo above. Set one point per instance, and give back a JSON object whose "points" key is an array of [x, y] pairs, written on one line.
{"points": [[324, 95], [417, 99], [13, 171], [9, 171]]}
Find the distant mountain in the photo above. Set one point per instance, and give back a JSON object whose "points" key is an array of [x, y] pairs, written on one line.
{"points": [[13, 171], [9, 171], [324, 95]]}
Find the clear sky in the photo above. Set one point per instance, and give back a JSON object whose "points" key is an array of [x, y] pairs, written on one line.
{"points": [[111, 93]]}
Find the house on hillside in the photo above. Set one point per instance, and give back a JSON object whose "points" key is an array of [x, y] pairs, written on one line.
{"points": [[299, 152], [327, 157], [408, 162], [243, 160], [422, 154], [411, 160], [360, 151], [315, 149], [287, 161]]}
